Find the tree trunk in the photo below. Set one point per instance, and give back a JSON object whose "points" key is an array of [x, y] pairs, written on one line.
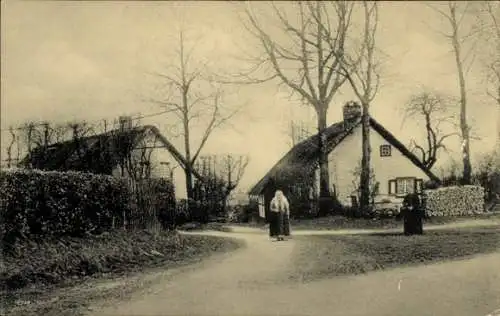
{"points": [[187, 147], [466, 178], [324, 176], [498, 122], [189, 182], [365, 160]]}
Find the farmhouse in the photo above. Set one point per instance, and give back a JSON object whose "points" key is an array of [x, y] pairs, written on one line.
{"points": [[132, 152], [395, 169]]}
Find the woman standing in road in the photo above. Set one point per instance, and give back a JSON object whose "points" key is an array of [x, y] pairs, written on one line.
{"points": [[279, 225]]}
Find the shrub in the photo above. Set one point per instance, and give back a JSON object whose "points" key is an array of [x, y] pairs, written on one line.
{"points": [[431, 185], [163, 195], [190, 210], [303, 209], [241, 213], [454, 200], [39, 203], [386, 212], [487, 175], [210, 196], [252, 211]]}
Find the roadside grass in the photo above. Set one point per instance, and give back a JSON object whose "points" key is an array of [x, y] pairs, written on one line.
{"points": [[338, 222], [40, 268], [341, 222], [222, 227], [317, 257]]}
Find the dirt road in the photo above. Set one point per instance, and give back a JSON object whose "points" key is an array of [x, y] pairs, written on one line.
{"points": [[253, 281]]}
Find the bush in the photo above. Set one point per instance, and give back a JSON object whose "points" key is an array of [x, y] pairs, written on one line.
{"points": [[190, 210], [238, 214], [303, 209], [487, 175], [431, 185], [252, 211], [386, 212], [454, 201], [199, 211], [163, 193], [38, 203]]}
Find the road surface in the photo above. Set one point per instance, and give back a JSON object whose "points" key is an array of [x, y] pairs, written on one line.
{"points": [[253, 281]]}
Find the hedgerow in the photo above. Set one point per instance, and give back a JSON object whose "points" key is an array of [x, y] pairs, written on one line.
{"points": [[38, 203]]}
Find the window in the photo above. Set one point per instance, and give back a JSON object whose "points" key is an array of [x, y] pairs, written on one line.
{"points": [[385, 150], [403, 186], [420, 185]]}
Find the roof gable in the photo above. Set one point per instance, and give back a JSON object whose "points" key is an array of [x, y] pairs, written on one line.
{"points": [[306, 152], [388, 136], [93, 153]]}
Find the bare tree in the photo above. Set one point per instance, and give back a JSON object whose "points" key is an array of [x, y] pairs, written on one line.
{"points": [[306, 58], [434, 109], [39, 136], [27, 132], [232, 170], [299, 131], [9, 148], [135, 161], [79, 130], [222, 175], [488, 22], [187, 101], [361, 70], [374, 185], [454, 13], [493, 10]]}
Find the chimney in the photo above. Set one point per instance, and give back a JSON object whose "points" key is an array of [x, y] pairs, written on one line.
{"points": [[351, 112], [125, 122]]}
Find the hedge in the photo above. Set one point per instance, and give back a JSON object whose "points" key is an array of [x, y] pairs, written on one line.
{"points": [[153, 203], [190, 210], [454, 201], [49, 203], [164, 195]]}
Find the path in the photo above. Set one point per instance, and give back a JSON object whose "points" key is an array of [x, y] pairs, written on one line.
{"points": [[251, 281]]}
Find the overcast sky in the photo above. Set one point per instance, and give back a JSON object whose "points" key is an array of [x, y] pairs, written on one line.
{"points": [[91, 60]]}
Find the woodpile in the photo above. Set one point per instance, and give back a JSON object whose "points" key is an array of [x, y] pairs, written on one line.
{"points": [[454, 201]]}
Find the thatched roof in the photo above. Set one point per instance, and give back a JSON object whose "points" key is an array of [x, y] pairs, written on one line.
{"points": [[97, 152], [306, 152]]}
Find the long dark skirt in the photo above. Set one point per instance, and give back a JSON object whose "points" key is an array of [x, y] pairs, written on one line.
{"points": [[274, 229], [279, 224], [285, 220]]}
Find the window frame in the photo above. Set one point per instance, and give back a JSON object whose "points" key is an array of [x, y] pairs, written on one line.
{"points": [[417, 186], [385, 150]]}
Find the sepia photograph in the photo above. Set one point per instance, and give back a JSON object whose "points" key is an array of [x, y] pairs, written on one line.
{"points": [[291, 158]]}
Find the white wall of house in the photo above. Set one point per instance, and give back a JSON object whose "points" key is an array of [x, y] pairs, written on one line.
{"points": [[347, 155], [163, 164]]}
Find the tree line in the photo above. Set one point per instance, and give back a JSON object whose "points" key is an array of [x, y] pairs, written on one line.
{"points": [[313, 49]]}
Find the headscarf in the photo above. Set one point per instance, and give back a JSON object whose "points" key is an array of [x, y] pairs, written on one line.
{"points": [[280, 202]]}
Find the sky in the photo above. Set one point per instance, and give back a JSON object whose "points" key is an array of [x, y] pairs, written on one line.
{"points": [[64, 61]]}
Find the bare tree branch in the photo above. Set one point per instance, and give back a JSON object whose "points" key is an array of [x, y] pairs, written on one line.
{"points": [[455, 19], [305, 55], [361, 69], [192, 93], [434, 110]]}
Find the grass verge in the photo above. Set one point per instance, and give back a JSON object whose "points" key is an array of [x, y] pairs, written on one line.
{"points": [[328, 256], [341, 222], [40, 268]]}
